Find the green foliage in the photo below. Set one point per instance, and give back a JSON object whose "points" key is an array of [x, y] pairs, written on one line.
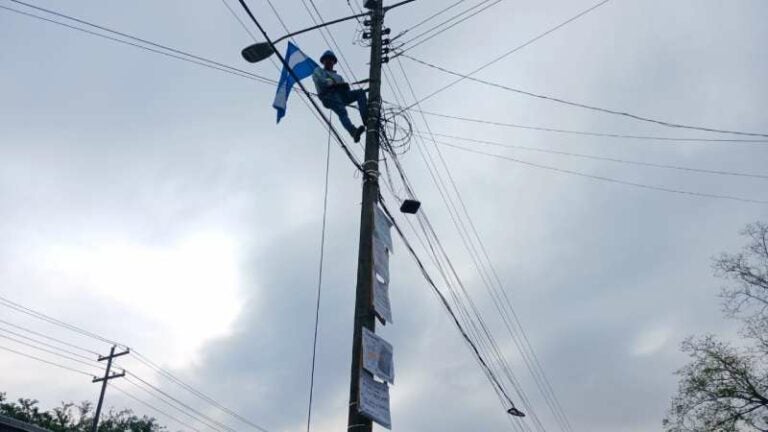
{"points": [[70, 417], [725, 388]]}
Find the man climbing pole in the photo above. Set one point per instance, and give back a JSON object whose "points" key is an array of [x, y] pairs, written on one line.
{"points": [[335, 94]]}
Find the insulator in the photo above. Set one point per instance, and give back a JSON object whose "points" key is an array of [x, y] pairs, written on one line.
{"points": [[385, 50], [366, 35], [386, 31], [386, 41], [367, 23], [385, 59]]}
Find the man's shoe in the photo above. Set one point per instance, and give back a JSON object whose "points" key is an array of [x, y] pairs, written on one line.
{"points": [[358, 133]]}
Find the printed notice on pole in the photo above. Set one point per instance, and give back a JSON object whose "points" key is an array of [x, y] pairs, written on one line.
{"points": [[374, 400], [377, 356], [382, 226], [381, 259], [381, 300]]}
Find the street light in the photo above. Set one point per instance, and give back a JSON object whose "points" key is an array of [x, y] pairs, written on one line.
{"points": [[262, 50]]}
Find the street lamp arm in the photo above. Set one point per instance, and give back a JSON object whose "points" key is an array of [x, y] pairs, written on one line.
{"points": [[325, 24]]}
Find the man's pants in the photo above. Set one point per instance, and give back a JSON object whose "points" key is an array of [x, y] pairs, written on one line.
{"points": [[337, 100]]}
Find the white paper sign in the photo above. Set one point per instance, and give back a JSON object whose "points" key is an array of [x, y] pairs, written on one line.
{"points": [[381, 259], [374, 400], [381, 300], [382, 227], [377, 356]]}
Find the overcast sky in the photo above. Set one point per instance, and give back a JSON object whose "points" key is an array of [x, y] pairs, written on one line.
{"points": [[156, 202]]}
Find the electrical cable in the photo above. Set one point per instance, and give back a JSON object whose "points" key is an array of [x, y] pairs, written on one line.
{"points": [[441, 31], [344, 147], [30, 356], [476, 328], [613, 180], [175, 380], [499, 58], [429, 18], [326, 30], [153, 408], [21, 342], [596, 157], [25, 310], [140, 357], [253, 36], [469, 245], [219, 425], [575, 104], [193, 414], [192, 58], [45, 344], [447, 306], [18, 327], [595, 134], [472, 331], [319, 279]]}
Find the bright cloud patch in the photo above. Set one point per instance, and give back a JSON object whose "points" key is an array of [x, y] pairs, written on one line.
{"points": [[187, 290], [650, 341]]}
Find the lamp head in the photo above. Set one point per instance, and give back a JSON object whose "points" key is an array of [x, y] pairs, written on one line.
{"points": [[257, 52]]}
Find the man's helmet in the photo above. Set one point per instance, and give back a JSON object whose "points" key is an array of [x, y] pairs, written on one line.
{"points": [[328, 54]]}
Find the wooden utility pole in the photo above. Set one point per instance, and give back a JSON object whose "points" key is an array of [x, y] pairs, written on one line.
{"points": [[364, 315], [104, 381]]}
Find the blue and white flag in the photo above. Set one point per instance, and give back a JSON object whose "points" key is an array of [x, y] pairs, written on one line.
{"points": [[302, 67]]}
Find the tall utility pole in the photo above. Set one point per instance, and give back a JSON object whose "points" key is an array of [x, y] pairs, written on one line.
{"points": [[364, 316], [104, 380]]}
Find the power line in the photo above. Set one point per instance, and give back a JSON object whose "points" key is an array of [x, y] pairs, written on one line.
{"points": [[177, 405], [319, 281], [574, 104], [330, 34], [408, 48], [588, 133], [317, 109], [140, 357], [30, 356], [172, 378], [446, 305], [518, 48], [429, 18], [35, 314], [153, 408], [219, 425], [469, 245], [45, 344], [596, 157], [18, 327], [253, 36], [64, 356], [476, 326], [177, 53], [612, 180]]}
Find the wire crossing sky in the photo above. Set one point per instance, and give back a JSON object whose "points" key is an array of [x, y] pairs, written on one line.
{"points": [[145, 200]]}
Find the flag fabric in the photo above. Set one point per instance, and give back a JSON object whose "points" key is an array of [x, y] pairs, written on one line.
{"points": [[302, 67]]}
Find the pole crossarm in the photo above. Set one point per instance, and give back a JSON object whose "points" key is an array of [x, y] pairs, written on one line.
{"points": [[114, 375], [104, 380]]}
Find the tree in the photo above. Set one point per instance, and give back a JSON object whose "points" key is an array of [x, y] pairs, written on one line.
{"points": [[76, 418], [724, 388]]}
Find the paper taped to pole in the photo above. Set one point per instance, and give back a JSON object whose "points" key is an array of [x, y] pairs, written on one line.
{"points": [[381, 303], [373, 401], [382, 227], [377, 356], [381, 259]]}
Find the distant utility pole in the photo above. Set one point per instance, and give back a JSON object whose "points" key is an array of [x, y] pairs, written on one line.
{"points": [[364, 315], [104, 380]]}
